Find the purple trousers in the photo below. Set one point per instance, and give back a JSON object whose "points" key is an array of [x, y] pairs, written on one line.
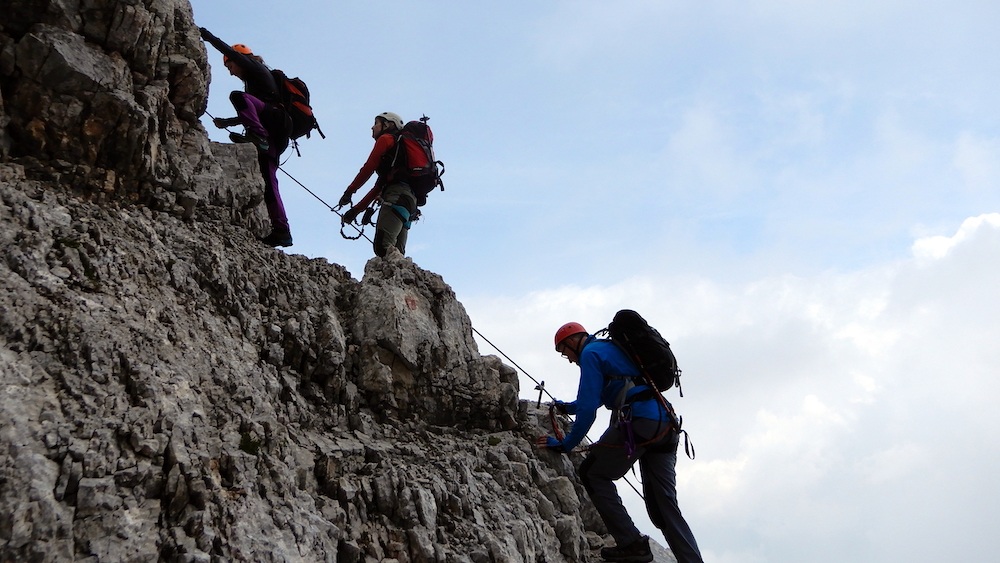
{"points": [[267, 122]]}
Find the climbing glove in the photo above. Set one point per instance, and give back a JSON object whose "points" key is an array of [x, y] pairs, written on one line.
{"points": [[344, 199], [351, 214], [555, 444]]}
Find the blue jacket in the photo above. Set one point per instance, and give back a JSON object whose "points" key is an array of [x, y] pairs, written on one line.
{"points": [[604, 371]]}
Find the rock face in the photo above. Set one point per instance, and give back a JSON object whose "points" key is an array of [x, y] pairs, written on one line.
{"points": [[173, 390], [105, 94]]}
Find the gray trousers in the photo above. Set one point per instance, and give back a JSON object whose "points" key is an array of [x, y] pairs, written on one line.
{"points": [[608, 461], [393, 223]]}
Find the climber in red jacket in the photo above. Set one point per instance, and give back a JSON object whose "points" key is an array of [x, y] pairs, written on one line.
{"points": [[399, 204]]}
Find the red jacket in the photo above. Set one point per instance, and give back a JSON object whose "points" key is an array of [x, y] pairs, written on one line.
{"points": [[375, 163]]}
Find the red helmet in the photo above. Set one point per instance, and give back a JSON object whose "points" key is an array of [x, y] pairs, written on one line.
{"points": [[567, 330], [239, 48]]}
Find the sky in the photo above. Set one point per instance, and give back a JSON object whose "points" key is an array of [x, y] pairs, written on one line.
{"points": [[803, 197]]}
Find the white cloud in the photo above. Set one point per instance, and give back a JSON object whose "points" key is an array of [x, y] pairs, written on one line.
{"points": [[978, 161], [937, 247], [812, 400], [894, 463]]}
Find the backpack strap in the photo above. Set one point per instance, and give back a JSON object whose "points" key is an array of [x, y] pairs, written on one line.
{"points": [[620, 400]]}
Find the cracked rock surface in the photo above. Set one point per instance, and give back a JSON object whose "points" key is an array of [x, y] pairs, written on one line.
{"points": [[171, 389]]}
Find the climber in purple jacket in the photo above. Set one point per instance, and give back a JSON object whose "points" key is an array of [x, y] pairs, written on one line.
{"points": [[265, 123]]}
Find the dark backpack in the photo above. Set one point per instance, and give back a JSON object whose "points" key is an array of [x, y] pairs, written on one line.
{"points": [[646, 348], [293, 97], [414, 161]]}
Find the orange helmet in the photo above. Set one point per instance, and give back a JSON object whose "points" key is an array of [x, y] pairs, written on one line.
{"points": [[567, 330], [239, 48]]}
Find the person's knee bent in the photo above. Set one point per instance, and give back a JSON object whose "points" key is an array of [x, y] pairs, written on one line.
{"points": [[238, 99]]}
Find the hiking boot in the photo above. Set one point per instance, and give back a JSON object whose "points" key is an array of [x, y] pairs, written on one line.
{"points": [[637, 552], [222, 122], [278, 238], [261, 144]]}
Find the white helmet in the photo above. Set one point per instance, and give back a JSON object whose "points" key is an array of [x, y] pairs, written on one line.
{"points": [[392, 118]]}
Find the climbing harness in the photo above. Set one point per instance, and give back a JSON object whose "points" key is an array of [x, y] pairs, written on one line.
{"points": [[403, 214], [367, 215], [624, 421]]}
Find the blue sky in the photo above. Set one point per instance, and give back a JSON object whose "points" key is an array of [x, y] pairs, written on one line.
{"points": [[802, 196]]}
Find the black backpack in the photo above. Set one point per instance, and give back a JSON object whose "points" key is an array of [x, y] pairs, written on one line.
{"points": [[293, 97], [646, 348], [414, 161]]}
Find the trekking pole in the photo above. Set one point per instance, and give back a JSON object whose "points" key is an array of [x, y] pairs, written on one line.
{"points": [[361, 232]]}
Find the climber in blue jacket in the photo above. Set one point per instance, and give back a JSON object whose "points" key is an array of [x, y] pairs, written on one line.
{"points": [[643, 428]]}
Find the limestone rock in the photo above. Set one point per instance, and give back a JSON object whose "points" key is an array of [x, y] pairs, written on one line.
{"points": [[110, 90], [171, 389]]}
